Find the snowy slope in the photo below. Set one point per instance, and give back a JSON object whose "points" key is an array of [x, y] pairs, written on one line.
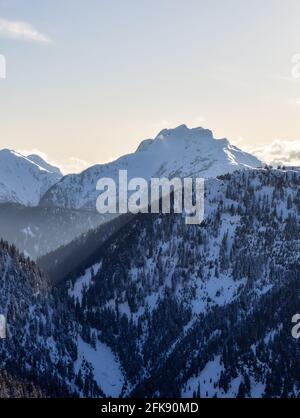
{"points": [[105, 366], [202, 309], [180, 152], [38, 343], [37, 159], [25, 179], [165, 309]]}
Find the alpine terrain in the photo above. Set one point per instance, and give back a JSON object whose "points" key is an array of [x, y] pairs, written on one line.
{"points": [[25, 179], [179, 152], [161, 308], [40, 210]]}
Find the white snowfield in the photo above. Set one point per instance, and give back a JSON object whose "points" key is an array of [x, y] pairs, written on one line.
{"points": [[205, 384], [179, 152], [25, 179], [104, 364], [106, 367]]}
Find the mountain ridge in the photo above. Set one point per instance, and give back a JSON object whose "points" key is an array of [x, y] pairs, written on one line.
{"points": [[23, 180], [163, 309], [179, 152]]}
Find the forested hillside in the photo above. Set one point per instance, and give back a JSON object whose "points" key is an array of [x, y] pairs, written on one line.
{"points": [[161, 308]]}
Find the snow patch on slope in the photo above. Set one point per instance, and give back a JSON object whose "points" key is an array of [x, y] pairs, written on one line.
{"points": [[106, 367], [205, 381], [82, 283]]}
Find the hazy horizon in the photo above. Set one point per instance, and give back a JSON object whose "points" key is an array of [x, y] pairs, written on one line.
{"points": [[67, 170], [88, 88]]}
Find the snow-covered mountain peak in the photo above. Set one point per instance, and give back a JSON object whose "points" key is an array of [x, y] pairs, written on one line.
{"points": [[184, 131], [23, 180], [179, 152], [182, 136], [9, 153], [37, 159]]}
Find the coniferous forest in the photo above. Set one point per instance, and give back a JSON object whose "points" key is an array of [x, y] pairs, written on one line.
{"points": [[172, 310]]}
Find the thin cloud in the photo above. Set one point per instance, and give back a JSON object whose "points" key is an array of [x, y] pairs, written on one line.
{"points": [[279, 152], [74, 165], [70, 165], [22, 31]]}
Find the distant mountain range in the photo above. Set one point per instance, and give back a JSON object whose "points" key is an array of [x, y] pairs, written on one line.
{"points": [[42, 210], [23, 179], [38, 230], [179, 152], [32, 181]]}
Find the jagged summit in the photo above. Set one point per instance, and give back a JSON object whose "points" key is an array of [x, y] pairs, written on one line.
{"points": [[184, 130], [177, 134]]}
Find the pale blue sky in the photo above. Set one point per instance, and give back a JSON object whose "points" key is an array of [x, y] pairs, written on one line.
{"points": [[117, 71]]}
